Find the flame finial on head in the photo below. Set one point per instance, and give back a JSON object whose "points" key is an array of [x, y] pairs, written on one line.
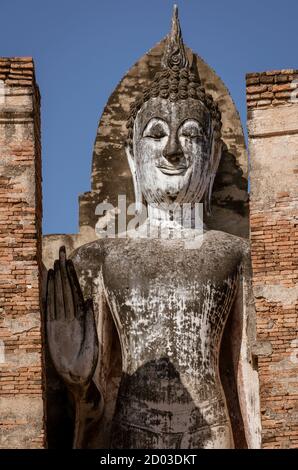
{"points": [[174, 54]]}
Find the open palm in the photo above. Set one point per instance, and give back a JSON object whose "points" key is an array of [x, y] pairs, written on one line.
{"points": [[71, 329]]}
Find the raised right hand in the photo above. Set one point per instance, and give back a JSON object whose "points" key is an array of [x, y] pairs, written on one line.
{"points": [[71, 329]]}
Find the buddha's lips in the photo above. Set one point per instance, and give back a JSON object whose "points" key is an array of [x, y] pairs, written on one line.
{"points": [[176, 170]]}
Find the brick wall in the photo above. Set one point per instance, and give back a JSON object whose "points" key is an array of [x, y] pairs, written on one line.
{"points": [[271, 88], [21, 384], [273, 146]]}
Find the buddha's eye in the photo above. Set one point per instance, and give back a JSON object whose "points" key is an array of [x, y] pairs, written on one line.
{"points": [[192, 129], [192, 133], [155, 130], [156, 133]]}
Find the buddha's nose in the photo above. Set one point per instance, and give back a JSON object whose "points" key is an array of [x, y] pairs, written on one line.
{"points": [[173, 151]]}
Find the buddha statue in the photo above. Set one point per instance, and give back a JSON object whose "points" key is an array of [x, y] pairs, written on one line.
{"points": [[156, 357]]}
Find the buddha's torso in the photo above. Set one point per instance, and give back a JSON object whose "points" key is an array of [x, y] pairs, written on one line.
{"points": [[170, 305]]}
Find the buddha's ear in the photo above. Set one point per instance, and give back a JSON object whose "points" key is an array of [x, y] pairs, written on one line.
{"points": [[136, 183], [215, 156]]}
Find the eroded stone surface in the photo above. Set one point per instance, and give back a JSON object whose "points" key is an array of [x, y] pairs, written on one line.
{"points": [[170, 328]]}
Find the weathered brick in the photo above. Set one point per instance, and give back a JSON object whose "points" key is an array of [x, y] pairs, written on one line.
{"points": [[256, 89], [283, 87], [20, 258], [274, 249], [266, 79], [252, 81]]}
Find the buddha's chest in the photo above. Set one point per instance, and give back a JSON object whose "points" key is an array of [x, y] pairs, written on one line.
{"points": [[170, 302]]}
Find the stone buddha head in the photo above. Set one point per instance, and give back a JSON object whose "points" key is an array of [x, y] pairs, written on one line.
{"points": [[174, 133]]}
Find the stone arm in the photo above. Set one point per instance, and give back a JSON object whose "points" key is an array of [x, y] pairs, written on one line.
{"points": [[73, 345], [238, 368]]}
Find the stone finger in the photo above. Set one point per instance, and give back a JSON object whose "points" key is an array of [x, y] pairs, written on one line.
{"points": [[59, 301], [66, 286], [78, 298], [50, 302]]}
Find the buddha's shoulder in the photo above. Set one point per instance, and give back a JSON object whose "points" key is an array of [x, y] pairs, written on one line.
{"points": [[88, 255], [227, 244], [220, 239], [92, 254], [214, 241]]}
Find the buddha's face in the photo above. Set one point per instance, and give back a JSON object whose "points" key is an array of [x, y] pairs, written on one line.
{"points": [[171, 150]]}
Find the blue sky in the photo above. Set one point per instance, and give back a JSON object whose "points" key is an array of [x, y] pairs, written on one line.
{"points": [[82, 48]]}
